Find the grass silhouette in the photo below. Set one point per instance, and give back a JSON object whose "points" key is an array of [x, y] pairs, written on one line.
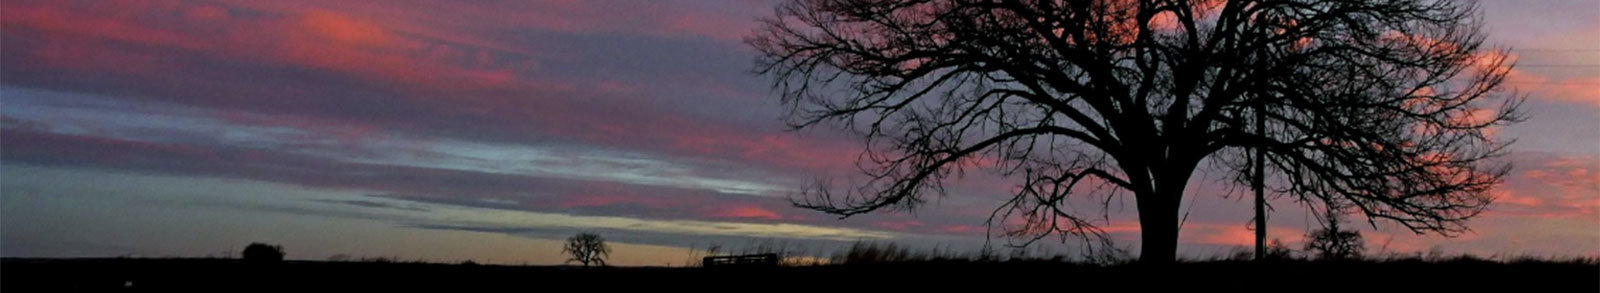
{"points": [[864, 265]]}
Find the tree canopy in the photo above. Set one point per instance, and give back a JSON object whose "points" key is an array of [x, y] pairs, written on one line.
{"points": [[587, 249], [1385, 106]]}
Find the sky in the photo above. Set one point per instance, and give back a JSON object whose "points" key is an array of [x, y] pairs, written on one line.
{"points": [[492, 130]]}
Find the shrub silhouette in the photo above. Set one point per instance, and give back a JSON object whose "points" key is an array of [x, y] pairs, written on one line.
{"points": [[262, 252]]}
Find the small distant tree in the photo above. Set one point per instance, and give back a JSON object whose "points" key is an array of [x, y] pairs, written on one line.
{"points": [[262, 252], [587, 248], [339, 257], [1276, 250], [1331, 243]]}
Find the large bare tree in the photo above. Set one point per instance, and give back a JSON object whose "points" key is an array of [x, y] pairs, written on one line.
{"points": [[1381, 105]]}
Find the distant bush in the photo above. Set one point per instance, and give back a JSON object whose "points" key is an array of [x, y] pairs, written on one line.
{"points": [[262, 252]]}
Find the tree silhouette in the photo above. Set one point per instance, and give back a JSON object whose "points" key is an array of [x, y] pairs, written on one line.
{"points": [[1378, 104], [587, 248], [1331, 243], [1276, 250], [262, 252]]}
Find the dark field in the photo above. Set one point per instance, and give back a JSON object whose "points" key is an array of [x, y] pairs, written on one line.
{"points": [[227, 275]]}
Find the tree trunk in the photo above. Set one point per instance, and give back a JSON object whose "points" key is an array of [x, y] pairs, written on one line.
{"points": [[1158, 211], [1158, 227]]}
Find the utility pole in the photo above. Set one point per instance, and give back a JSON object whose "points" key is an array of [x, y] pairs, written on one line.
{"points": [[1257, 182]]}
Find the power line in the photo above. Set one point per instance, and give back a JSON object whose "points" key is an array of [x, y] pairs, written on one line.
{"points": [[1556, 50], [1553, 83], [1558, 65]]}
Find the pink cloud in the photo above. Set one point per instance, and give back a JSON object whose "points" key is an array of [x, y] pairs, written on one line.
{"points": [[1507, 198], [897, 225], [592, 200], [778, 149], [1238, 234], [1575, 90], [315, 39], [1225, 237], [381, 44], [746, 212], [565, 16], [962, 229], [1542, 84], [1396, 241], [1550, 186], [641, 18]]}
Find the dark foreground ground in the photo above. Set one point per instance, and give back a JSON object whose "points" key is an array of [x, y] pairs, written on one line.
{"points": [[222, 275]]}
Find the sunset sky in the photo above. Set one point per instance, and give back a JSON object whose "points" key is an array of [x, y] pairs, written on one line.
{"points": [[491, 130]]}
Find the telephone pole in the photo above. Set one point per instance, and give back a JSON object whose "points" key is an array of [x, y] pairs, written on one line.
{"points": [[1257, 182]]}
